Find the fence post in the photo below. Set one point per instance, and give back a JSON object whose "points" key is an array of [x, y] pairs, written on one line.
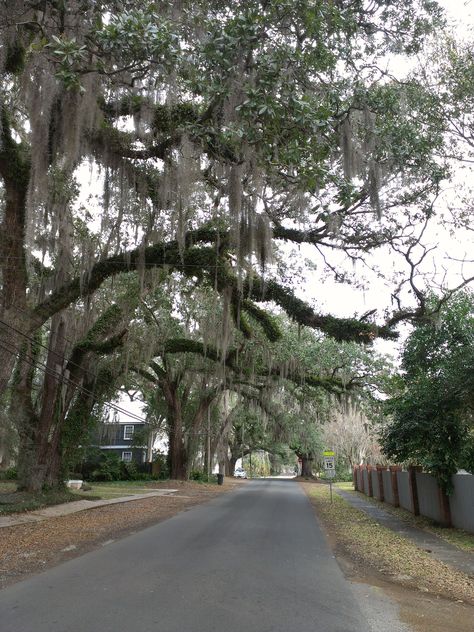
{"points": [[412, 470], [369, 480], [354, 477], [363, 468], [445, 508], [380, 469], [393, 476]]}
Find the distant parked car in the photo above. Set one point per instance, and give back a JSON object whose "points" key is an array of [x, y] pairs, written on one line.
{"points": [[240, 473]]}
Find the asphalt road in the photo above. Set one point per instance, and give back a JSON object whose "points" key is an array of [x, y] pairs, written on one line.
{"points": [[253, 560]]}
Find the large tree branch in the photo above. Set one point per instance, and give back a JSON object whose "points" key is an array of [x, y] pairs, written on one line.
{"points": [[183, 345], [207, 264]]}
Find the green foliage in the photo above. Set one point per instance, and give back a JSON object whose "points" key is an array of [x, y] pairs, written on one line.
{"points": [[432, 421], [9, 475], [106, 466], [202, 477], [256, 464]]}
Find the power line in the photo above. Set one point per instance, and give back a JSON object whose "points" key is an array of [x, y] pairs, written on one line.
{"points": [[61, 378], [47, 371]]}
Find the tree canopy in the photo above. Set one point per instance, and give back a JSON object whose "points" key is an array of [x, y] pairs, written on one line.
{"points": [[155, 147]]}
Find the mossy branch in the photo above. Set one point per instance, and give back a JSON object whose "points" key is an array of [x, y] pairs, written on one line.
{"points": [[14, 157], [267, 322], [184, 345], [205, 263]]}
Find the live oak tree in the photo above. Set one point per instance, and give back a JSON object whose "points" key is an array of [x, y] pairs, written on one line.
{"points": [[212, 132]]}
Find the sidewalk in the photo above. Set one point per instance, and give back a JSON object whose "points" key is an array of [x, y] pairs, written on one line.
{"points": [[73, 507], [437, 547]]}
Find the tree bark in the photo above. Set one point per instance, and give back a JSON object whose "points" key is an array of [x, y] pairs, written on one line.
{"points": [[230, 465], [307, 465]]}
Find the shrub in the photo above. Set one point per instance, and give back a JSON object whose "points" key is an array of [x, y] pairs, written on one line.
{"points": [[9, 475]]}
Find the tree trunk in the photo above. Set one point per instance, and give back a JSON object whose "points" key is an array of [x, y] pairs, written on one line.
{"points": [[177, 456], [307, 465], [14, 313], [230, 465], [275, 468]]}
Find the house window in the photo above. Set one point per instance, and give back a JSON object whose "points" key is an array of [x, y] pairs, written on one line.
{"points": [[128, 432], [127, 457]]}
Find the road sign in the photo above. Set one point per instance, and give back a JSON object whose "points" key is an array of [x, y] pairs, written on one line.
{"points": [[328, 453], [329, 463], [330, 473]]}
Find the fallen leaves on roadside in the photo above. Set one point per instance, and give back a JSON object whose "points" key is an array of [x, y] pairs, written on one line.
{"points": [[369, 543], [32, 547]]}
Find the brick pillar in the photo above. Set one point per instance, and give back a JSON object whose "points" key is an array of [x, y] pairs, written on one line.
{"points": [[362, 469], [393, 476], [380, 469], [412, 470], [445, 508], [369, 478], [354, 477]]}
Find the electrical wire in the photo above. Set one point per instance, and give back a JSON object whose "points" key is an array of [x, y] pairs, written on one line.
{"points": [[62, 379], [47, 371]]}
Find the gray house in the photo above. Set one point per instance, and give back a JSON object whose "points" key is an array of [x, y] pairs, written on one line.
{"points": [[130, 441]]}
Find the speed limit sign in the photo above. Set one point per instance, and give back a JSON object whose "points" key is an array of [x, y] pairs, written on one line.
{"points": [[329, 460], [329, 463]]}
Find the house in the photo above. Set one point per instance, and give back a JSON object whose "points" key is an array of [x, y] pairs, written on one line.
{"points": [[130, 441]]}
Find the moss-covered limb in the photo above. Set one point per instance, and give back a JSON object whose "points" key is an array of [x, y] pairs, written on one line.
{"points": [[342, 329], [170, 121], [110, 141], [184, 345], [166, 118], [193, 262], [267, 322], [240, 319], [14, 157], [146, 374], [102, 327], [99, 340], [314, 236], [159, 371], [110, 344], [205, 263]]}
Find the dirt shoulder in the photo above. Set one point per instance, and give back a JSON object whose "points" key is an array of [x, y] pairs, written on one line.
{"points": [[31, 548], [431, 596]]}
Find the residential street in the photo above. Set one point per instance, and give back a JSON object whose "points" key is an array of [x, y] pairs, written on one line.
{"points": [[254, 559]]}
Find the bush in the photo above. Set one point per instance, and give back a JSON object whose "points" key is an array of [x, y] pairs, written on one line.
{"points": [[107, 469], [202, 477], [9, 475], [197, 475]]}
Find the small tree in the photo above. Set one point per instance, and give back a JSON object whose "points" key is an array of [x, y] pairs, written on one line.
{"points": [[432, 419]]}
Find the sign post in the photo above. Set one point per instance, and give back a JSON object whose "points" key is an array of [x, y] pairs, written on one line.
{"points": [[329, 462]]}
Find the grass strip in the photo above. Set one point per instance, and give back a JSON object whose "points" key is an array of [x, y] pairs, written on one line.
{"points": [[19, 502], [367, 543], [457, 537]]}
